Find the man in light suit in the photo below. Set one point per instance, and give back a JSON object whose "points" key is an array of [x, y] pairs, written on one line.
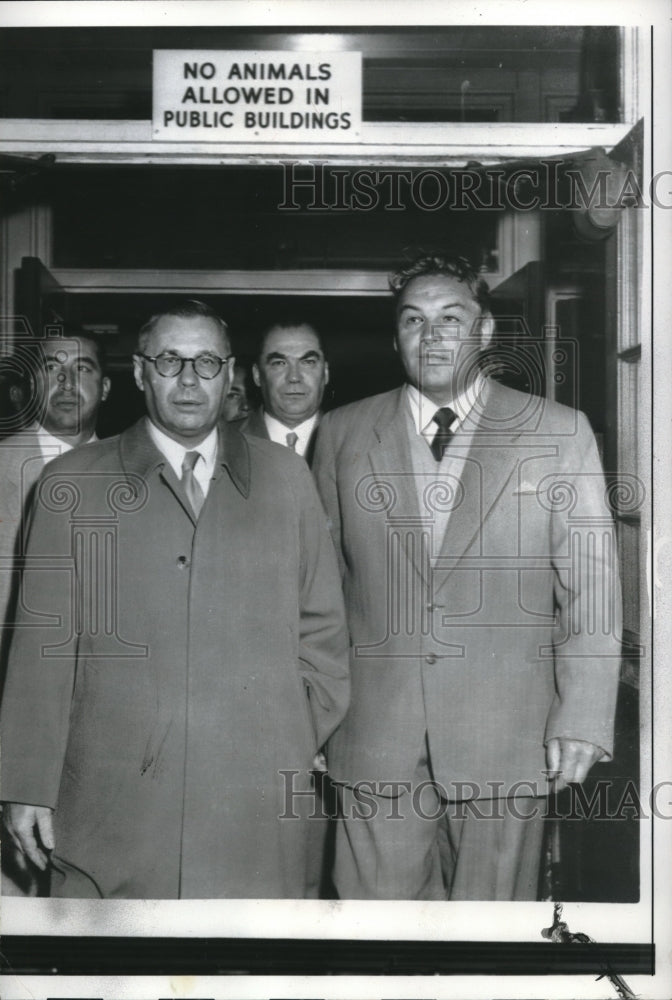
{"points": [[181, 640], [478, 560], [68, 385], [292, 374]]}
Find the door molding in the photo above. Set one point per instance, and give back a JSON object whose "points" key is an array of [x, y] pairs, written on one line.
{"points": [[378, 143]]}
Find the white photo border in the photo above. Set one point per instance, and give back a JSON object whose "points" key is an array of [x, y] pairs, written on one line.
{"points": [[643, 923]]}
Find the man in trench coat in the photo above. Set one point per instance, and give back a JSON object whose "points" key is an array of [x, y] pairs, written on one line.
{"points": [[180, 644], [478, 558]]}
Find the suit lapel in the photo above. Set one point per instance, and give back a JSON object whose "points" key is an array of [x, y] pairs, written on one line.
{"points": [[490, 463], [390, 458], [392, 468], [310, 450], [256, 425]]}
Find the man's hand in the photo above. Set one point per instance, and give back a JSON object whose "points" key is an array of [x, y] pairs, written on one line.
{"points": [[569, 761], [31, 829]]}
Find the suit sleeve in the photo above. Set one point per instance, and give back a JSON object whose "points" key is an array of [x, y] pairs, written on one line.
{"points": [[10, 514], [323, 637], [41, 664], [587, 643], [16, 491]]}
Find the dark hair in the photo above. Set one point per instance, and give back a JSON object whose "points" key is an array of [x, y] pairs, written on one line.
{"points": [[186, 309], [286, 323], [451, 266], [97, 340]]}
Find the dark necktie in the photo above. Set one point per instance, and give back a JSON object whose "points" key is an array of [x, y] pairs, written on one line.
{"points": [[292, 438], [443, 418], [191, 485]]}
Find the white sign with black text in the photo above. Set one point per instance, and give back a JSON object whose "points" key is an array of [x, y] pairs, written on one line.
{"points": [[246, 96]]}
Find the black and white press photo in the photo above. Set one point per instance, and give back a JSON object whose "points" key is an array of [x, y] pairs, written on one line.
{"points": [[334, 457]]}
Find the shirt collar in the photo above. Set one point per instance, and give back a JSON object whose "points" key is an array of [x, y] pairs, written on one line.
{"points": [[423, 409], [52, 446], [174, 452], [278, 432]]}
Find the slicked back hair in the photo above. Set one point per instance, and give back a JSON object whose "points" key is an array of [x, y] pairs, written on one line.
{"points": [[186, 309], [97, 341], [448, 265], [286, 324]]}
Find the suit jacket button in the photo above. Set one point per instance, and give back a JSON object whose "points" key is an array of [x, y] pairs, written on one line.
{"points": [[182, 561], [431, 658]]}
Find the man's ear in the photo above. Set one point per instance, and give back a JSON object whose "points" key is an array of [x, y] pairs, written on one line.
{"points": [[255, 374], [395, 344], [137, 373], [326, 373], [106, 386], [487, 330]]}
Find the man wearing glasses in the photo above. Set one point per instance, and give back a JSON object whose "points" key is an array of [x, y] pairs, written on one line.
{"points": [[188, 645]]}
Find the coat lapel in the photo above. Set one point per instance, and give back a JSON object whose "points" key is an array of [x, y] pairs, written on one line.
{"points": [[139, 456]]}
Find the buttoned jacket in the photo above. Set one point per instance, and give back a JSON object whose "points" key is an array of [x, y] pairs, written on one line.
{"points": [[166, 671], [494, 638]]}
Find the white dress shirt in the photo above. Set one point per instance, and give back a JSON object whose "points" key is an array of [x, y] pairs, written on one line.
{"points": [[423, 409], [278, 432], [51, 446], [174, 454], [450, 469]]}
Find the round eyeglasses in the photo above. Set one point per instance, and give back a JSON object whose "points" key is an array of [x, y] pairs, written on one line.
{"points": [[205, 365]]}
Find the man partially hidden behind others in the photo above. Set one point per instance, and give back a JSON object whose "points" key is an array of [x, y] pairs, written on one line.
{"points": [[181, 641], [292, 374], [478, 558]]}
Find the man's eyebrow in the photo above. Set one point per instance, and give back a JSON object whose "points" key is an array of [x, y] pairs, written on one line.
{"points": [[273, 355], [76, 357], [446, 305]]}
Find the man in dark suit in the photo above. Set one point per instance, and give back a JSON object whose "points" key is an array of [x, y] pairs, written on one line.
{"points": [[478, 559], [181, 641], [292, 374]]}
